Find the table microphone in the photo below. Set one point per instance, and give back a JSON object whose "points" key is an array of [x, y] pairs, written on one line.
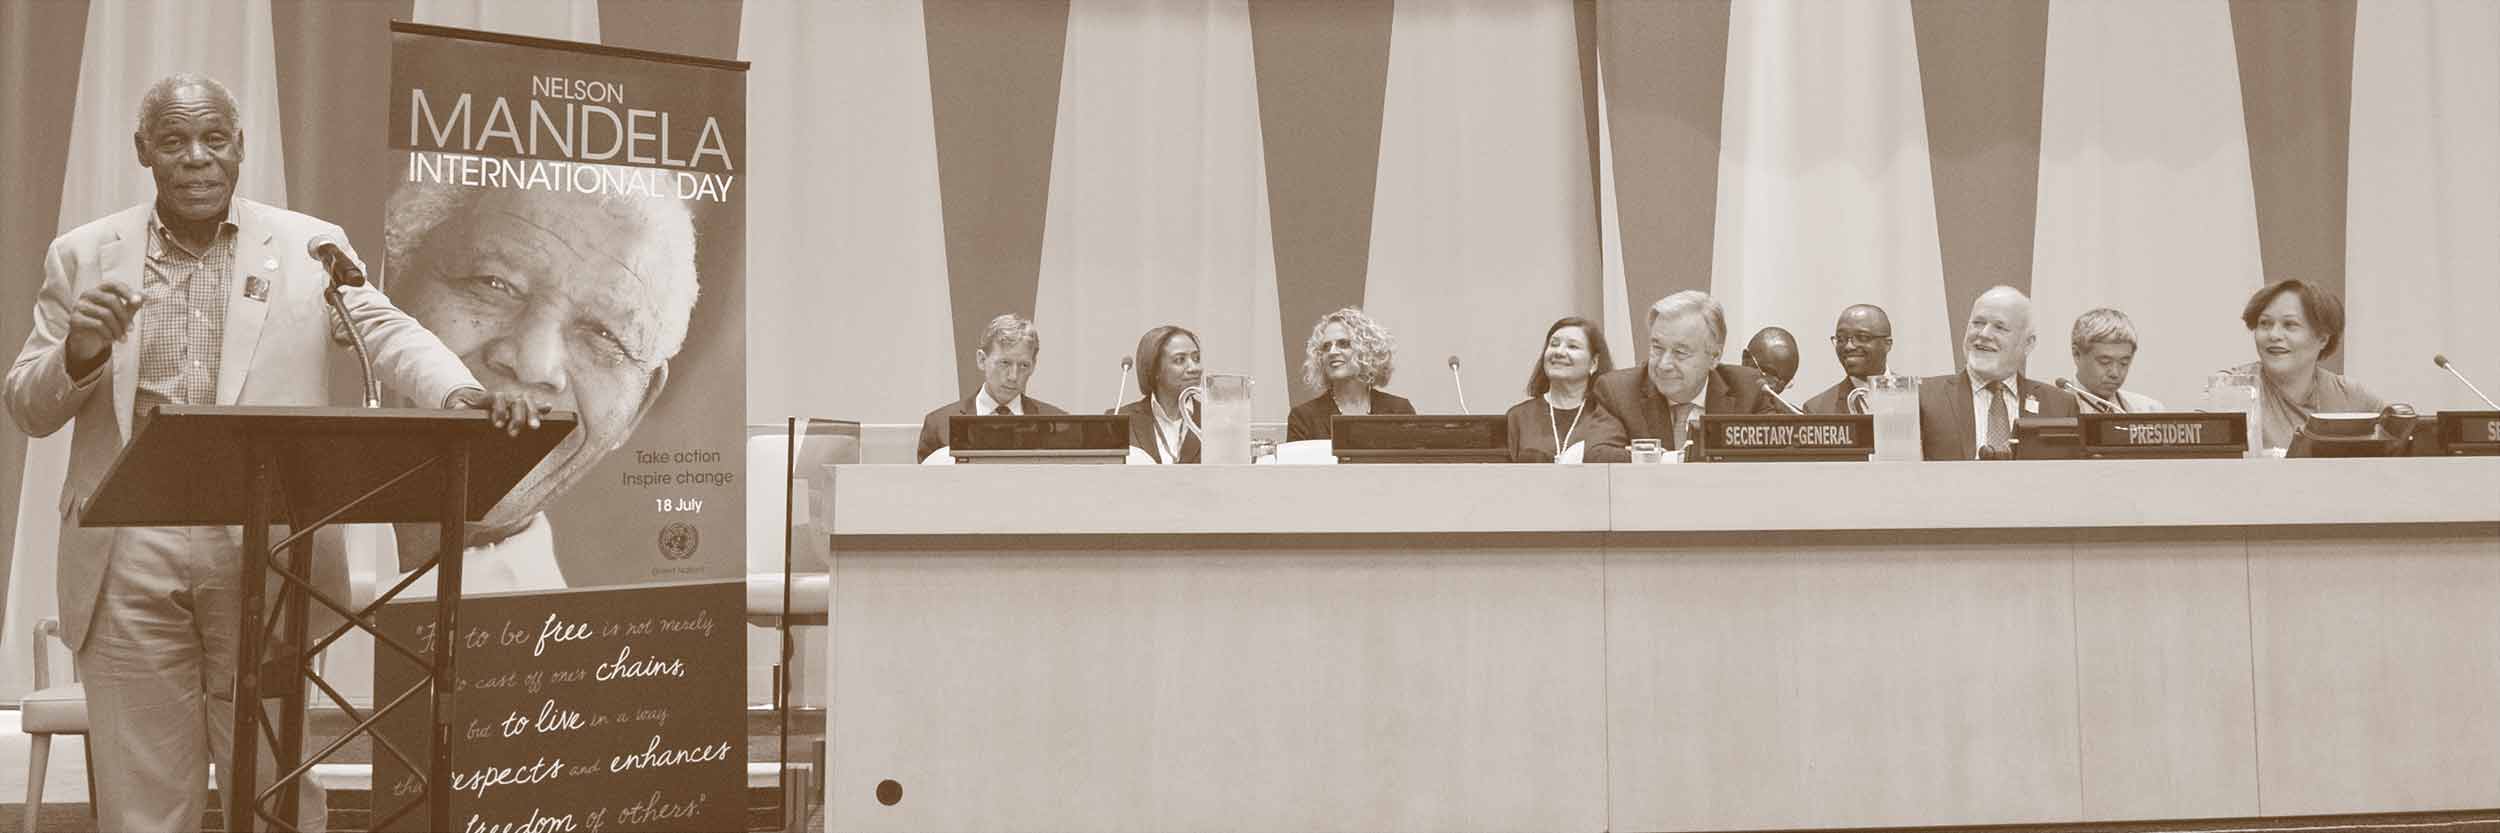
{"points": [[1456, 385], [1126, 364], [2441, 359], [1765, 383], [2105, 405]]}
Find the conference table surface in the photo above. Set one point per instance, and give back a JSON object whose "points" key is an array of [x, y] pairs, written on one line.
{"points": [[1666, 647]]}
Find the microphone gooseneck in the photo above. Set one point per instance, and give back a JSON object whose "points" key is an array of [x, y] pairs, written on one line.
{"points": [[1120, 396], [344, 272], [1458, 386], [2441, 359], [2105, 405], [1765, 384]]}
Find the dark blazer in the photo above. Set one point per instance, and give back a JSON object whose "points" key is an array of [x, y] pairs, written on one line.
{"points": [[1309, 420], [1141, 432], [1627, 393], [933, 427], [1945, 430], [1532, 428], [1834, 400]]}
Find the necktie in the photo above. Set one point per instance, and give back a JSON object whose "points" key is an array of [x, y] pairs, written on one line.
{"points": [[1002, 410], [2000, 423], [1676, 415]]}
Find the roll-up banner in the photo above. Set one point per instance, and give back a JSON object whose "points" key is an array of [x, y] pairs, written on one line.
{"points": [[570, 218]]}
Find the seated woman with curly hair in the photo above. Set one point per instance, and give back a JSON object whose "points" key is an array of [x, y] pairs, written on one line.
{"points": [[1348, 359]]}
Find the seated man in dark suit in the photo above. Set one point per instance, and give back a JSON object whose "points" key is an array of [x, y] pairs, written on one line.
{"points": [[1970, 415], [1862, 340], [1009, 348], [1665, 396]]}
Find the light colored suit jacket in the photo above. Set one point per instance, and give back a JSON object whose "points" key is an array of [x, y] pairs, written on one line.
{"points": [[274, 354]]}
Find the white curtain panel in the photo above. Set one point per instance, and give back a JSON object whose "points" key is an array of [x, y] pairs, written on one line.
{"points": [[2146, 202], [1158, 201], [561, 19], [1825, 194], [2422, 250], [1616, 307], [1484, 227], [846, 239]]}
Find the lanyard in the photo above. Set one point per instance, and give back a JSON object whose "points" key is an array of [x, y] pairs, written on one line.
{"points": [[1559, 432]]}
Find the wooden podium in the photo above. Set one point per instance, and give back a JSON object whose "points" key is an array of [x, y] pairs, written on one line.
{"points": [[309, 468]]}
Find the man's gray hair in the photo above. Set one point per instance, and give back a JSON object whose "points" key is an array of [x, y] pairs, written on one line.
{"points": [[163, 91], [1698, 302], [1009, 330], [2103, 326]]}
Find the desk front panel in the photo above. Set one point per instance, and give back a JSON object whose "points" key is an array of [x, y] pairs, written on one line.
{"points": [[1734, 646], [1181, 683]]}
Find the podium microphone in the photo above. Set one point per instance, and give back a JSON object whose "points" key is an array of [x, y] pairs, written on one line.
{"points": [[2106, 406], [343, 268], [1126, 364], [1458, 386], [344, 271], [1765, 384], [2441, 359]]}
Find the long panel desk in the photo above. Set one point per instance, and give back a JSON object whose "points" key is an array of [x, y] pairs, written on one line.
{"points": [[1627, 648]]}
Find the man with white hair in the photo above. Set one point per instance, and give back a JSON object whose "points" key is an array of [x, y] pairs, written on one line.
{"points": [[2104, 345], [1970, 415], [579, 300], [1665, 396], [199, 297], [1009, 349]]}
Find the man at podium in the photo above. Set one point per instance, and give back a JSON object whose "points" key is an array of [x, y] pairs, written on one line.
{"points": [[196, 297]]}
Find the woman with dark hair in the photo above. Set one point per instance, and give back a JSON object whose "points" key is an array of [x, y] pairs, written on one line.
{"points": [[2294, 325], [1557, 412], [1348, 359], [1158, 422]]}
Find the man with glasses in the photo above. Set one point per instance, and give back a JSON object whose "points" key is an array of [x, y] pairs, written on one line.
{"points": [[1970, 415], [1862, 340], [1681, 379]]}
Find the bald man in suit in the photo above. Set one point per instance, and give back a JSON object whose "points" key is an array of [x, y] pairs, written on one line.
{"points": [[1970, 415]]}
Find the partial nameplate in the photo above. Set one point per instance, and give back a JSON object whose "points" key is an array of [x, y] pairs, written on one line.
{"points": [[1769, 437], [1420, 438], [2470, 432], [2174, 434], [1038, 438]]}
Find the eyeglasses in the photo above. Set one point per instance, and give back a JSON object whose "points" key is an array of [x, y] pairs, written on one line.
{"points": [[1854, 340]]}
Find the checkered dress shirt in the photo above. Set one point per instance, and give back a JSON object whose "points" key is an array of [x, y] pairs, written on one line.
{"points": [[182, 324]]}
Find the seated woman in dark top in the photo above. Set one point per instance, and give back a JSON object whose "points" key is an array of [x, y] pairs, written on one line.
{"points": [[1160, 424], [1347, 360], [2293, 326], [1557, 413]]}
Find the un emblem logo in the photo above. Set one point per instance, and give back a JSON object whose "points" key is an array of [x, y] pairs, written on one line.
{"points": [[679, 540]]}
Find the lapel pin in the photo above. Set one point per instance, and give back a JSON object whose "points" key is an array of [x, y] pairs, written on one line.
{"points": [[256, 288], [270, 264], [2031, 404]]}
